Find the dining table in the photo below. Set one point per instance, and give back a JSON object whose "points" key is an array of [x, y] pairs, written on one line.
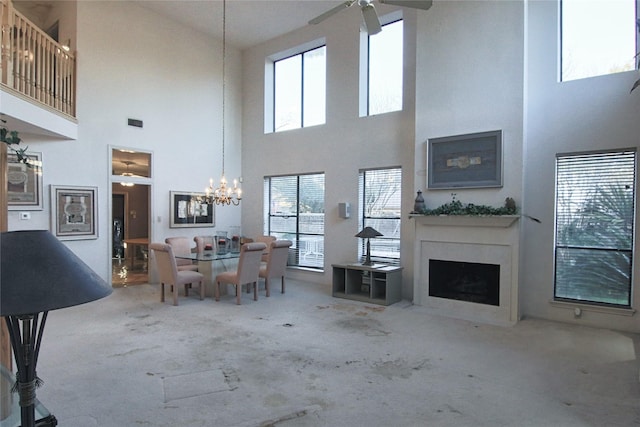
{"points": [[132, 245], [212, 263]]}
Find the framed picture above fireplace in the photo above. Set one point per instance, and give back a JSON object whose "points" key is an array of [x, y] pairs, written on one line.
{"points": [[465, 161]]}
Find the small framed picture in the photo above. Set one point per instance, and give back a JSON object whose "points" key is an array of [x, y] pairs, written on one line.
{"points": [[24, 183], [74, 212], [191, 210], [465, 161]]}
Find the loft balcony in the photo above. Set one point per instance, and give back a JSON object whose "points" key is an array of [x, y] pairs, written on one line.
{"points": [[37, 78]]}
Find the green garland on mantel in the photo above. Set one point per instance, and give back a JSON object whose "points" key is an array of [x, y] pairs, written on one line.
{"points": [[456, 207]]}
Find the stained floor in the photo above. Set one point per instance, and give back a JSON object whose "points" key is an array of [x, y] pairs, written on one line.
{"points": [[306, 359]]}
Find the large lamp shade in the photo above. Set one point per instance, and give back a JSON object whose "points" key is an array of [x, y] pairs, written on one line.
{"points": [[38, 273]]}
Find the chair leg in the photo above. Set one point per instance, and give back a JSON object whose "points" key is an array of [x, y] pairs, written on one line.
{"points": [[175, 294], [238, 293], [266, 286], [201, 290], [162, 294], [216, 291], [186, 289], [283, 284], [255, 291]]}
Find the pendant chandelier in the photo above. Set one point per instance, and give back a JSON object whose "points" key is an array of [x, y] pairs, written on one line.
{"points": [[224, 195]]}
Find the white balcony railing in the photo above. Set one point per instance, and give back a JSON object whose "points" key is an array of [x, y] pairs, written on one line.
{"points": [[34, 65]]}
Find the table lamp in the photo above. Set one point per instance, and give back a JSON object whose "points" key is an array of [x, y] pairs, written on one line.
{"points": [[368, 233], [38, 274]]}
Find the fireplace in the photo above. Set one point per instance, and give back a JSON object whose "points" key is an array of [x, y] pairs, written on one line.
{"points": [[467, 267], [465, 281]]}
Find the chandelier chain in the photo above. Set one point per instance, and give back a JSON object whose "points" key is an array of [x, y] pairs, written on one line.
{"points": [[224, 76], [224, 195]]}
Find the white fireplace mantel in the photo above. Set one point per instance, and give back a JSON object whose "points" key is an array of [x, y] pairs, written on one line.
{"points": [[467, 220], [469, 238]]}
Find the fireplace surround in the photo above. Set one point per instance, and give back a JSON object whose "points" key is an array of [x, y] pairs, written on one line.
{"points": [[483, 240]]}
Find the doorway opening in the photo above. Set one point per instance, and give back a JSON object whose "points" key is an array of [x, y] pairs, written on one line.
{"points": [[130, 216]]}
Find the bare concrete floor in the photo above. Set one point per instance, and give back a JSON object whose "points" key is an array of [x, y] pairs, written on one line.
{"points": [[307, 359]]}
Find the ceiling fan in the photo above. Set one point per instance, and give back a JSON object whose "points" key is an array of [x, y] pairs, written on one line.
{"points": [[371, 21]]}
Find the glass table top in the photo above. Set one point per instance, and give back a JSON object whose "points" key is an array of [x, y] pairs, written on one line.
{"points": [[208, 256]]}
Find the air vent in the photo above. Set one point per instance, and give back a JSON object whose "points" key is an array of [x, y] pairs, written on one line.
{"points": [[134, 122]]}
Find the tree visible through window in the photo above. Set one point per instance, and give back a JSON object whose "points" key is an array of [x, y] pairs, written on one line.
{"points": [[380, 208], [294, 210], [598, 37], [385, 69], [595, 196], [300, 90]]}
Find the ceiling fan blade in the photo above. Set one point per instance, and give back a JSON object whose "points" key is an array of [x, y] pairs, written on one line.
{"points": [[371, 20], [331, 12], [415, 4]]}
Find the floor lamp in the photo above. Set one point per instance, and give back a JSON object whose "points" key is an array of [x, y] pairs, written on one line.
{"points": [[38, 274], [368, 233]]}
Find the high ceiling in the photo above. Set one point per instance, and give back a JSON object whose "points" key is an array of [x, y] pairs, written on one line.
{"points": [[249, 22]]}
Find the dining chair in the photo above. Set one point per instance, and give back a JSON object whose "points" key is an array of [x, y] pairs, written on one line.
{"points": [[170, 275], [203, 241], [181, 245], [267, 241], [247, 272], [276, 265]]}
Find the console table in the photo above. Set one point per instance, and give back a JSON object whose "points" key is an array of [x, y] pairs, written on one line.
{"points": [[377, 283]]}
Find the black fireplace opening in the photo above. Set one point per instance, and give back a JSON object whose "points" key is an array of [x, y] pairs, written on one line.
{"points": [[465, 281]]}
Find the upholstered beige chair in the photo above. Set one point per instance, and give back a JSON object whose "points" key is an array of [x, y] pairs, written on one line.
{"points": [[181, 245], [170, 275], [247, 272], [276, 265], [267, 241], [203, 241]]}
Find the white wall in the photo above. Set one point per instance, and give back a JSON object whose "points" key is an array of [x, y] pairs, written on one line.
{"points": [[133, 63], [478, 66], [470, 79], [581, 115], [340, 148]]}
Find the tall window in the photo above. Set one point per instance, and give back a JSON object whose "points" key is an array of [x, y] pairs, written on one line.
{"points": [[300, 90], [598, 37], [380, 208], [294, 210], [595, 195], [385, 64]]}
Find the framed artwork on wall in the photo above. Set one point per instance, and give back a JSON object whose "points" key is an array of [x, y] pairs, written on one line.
{"points": [[74, 212], [24, 183], [190, 209], [465, 161]]}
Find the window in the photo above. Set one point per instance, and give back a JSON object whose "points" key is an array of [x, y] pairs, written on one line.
{"points": [[384, 59], [300, 90], [598, 37], [595, 195], [380, 208], [294, 210]]}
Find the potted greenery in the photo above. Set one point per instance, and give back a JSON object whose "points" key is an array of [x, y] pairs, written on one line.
{"points": [[11, 138]]}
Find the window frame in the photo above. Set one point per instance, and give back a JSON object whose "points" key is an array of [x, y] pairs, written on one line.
{"points": [[301, 52], [364, 100], [561, 43], [364, 220], [299, 239], [589, 217]]}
